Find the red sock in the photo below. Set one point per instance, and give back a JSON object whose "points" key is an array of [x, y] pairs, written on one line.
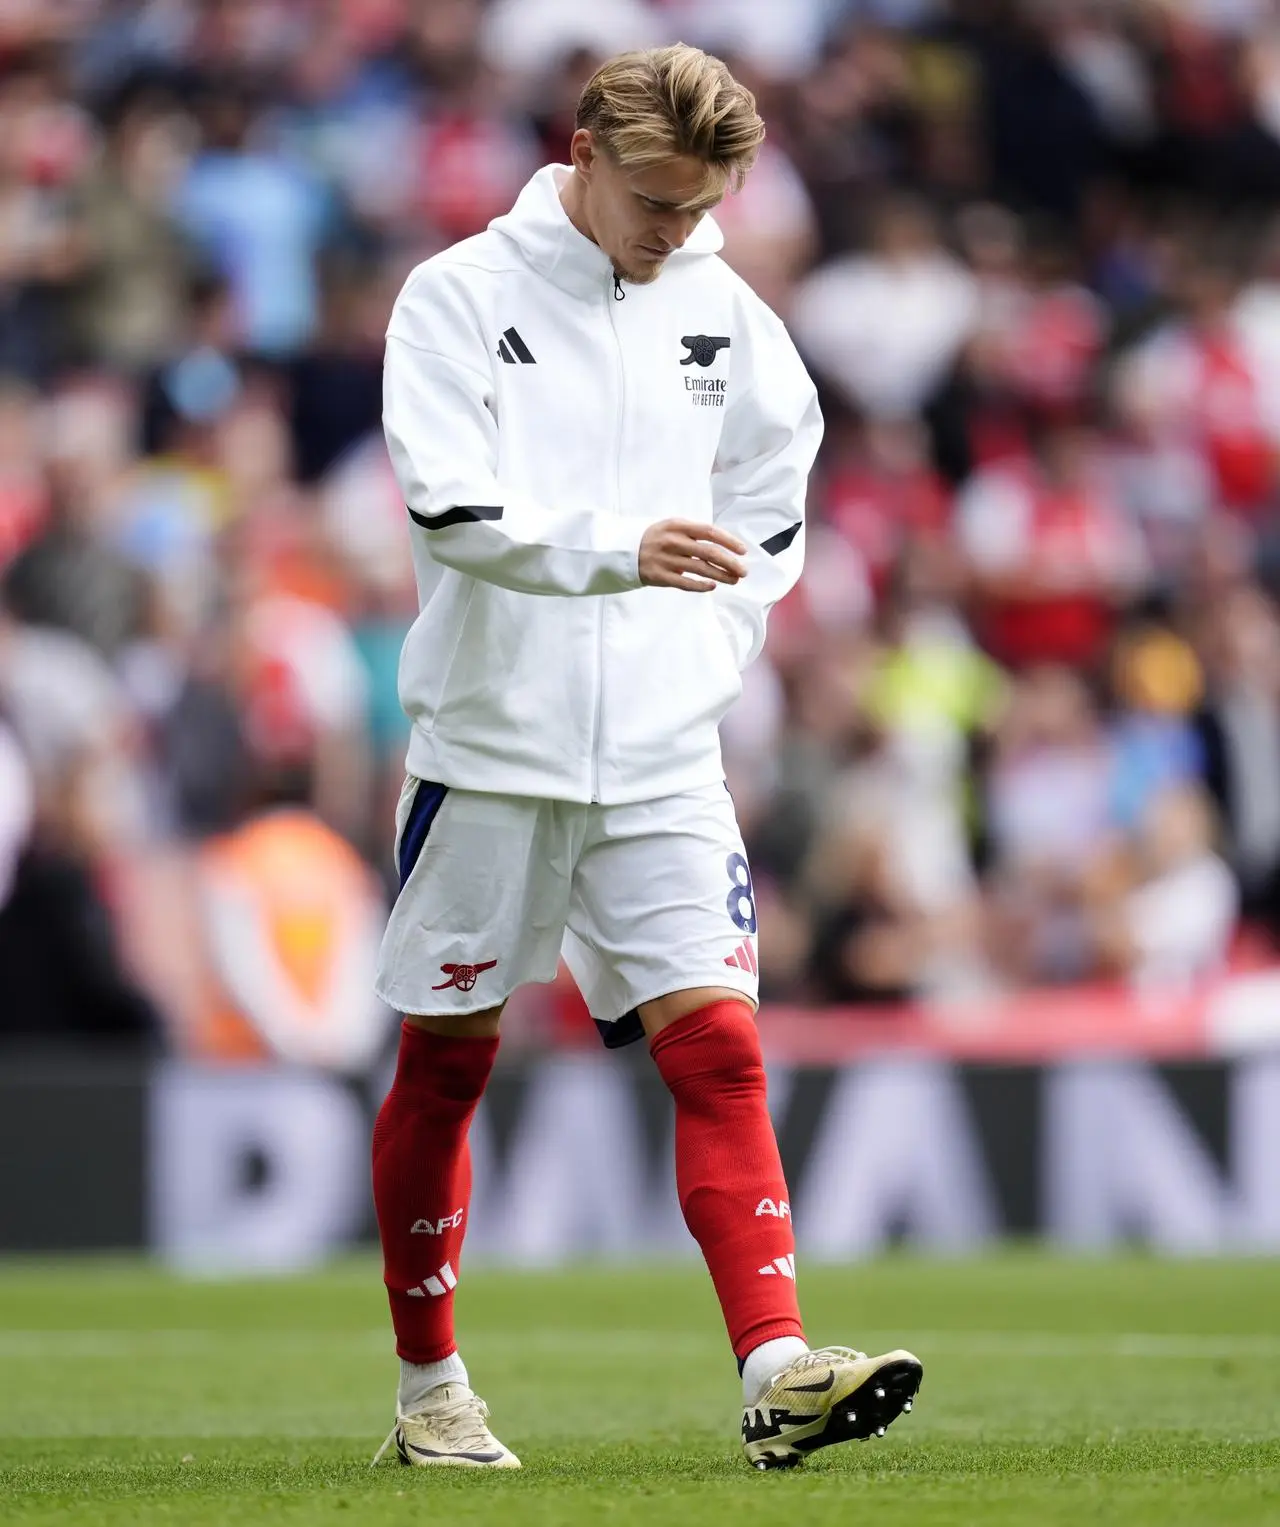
{"points": [[728, 1172], [422, 1183]]}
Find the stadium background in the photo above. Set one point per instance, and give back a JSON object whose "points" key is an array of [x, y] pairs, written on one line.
{"points": [[1009, 771]]}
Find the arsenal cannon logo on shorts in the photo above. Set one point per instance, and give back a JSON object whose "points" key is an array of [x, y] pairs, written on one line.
{"points": [[463, 976]]}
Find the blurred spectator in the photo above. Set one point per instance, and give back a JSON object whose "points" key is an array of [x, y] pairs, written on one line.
{"points": [[1050, 826], [784, 39], [1255, 321], [881, 492], [553, 106], [200, 374], [1176, 923], [62, 821], [24, 488], [885, 327], [61, 697], [1099, 56], [855, 126], [1159, 475], [1156, 685], [292, 922], [62, 974], [73, 575], [1046, 116], [524, 38], [129, 298], [890, 873], [45, 141], [1240, 730], [17, 809], [1197, 380], [770, 232], [871, 942], [335, 384], [259, 219], [302, 696], [1031, 359], [1051, 552]]}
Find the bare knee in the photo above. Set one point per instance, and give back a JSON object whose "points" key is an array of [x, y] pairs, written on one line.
{"points": [[663, 1011], [459, 1025]]}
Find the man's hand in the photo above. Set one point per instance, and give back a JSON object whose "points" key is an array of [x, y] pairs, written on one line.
{"points": [[681, 554]]}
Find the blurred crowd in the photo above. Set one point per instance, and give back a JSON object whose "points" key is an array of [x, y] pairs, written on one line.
{"points": [[1020, 723]]}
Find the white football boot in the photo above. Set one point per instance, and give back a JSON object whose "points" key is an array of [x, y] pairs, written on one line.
{"points": [[450, 1428], [832, 1394]]}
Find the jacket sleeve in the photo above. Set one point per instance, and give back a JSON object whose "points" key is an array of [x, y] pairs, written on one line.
{"points": [[771, 434], [442, 434]]}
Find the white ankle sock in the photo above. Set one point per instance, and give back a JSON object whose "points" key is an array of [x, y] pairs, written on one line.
{"points": [[417, 1380], [765, 1362]]}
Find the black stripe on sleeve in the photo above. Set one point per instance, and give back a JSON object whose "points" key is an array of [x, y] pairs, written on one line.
{"points": [[782, 540], [523, 352], [460, 514]]}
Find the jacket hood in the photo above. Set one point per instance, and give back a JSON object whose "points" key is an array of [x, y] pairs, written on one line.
{"points": [[540, 227]]}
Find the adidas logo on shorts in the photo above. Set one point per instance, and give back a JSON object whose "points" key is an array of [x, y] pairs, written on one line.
{"points": [[744, 957]]}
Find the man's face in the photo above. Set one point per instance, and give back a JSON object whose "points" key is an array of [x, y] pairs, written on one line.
{"points": [[639, 217]]}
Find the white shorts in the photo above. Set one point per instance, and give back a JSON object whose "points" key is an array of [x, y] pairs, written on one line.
{"points": [[641, 900]]}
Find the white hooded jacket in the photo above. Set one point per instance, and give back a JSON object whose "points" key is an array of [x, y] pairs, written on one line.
{"points": [[540, 417]]}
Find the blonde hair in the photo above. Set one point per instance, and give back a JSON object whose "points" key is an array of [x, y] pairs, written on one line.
{"points": [[645, 108]]}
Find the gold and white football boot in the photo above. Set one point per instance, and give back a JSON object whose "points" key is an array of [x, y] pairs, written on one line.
{"points": [[832, 1394], [450, 1429]]}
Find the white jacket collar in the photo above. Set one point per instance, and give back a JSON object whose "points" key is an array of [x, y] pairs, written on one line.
{"points": [[540, 227]]}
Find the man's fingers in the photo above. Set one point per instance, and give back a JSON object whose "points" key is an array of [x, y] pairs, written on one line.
{"points": [[705, 563], [712, 533], [684, 554], [706, 567], [710, 554], [693, 579], [734, 566], [723, 538]]}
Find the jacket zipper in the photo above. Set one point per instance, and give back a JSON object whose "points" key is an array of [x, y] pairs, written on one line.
{"points": [[610, 294]]}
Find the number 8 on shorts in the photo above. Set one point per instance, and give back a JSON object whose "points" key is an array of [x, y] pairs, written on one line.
{"points": [[741, 900]]}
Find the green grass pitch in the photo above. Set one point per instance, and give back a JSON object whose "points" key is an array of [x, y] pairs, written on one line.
{"points": [[1114, 1391]]}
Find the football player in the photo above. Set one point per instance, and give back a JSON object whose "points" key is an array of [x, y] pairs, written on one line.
{"points": [[603, 439]]}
